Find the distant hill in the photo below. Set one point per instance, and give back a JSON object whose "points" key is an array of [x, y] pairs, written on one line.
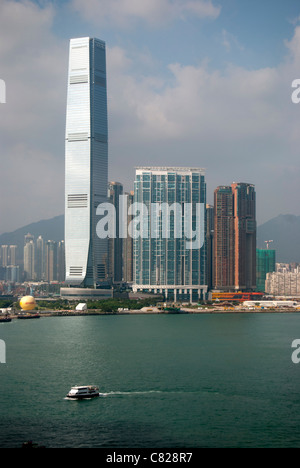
{"points": [[284, 230], [49, 229]]}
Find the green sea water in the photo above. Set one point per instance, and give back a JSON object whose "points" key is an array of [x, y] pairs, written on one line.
{"points": [[166, 381]]}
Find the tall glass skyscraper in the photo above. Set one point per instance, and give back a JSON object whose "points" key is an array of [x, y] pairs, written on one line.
{"points": [[167, 199], [86, 161]]}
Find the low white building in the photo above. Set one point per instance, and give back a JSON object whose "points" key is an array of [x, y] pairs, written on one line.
{"points": [[81, 306], [283, 282], [268, 304]]}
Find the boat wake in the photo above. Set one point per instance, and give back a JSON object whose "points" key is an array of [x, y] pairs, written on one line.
{"points": [[132, 393], [136, 392]]}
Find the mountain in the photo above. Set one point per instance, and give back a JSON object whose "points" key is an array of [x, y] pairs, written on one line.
{"points": [[284, 230], [49, 229]]}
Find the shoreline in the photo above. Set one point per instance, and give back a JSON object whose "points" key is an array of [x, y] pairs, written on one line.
{"points": [[183, 311]]}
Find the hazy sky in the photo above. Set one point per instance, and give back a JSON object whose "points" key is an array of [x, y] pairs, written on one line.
{"points": [[190, 83]]}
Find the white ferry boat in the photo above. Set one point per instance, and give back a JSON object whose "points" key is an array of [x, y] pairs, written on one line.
{"points": [[80, 392]]}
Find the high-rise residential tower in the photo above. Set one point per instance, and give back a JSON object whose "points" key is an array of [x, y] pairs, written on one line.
{"points": [[209, 244], [51, 260], [4, 255], [128, 245], [235, 237], [115, 245], [167, 200], [265, 263], [223, 240], [86, 161], [40, 259], [29, 258]]}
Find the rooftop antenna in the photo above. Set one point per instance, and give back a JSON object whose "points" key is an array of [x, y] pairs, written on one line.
{"points": [[268, 242]]}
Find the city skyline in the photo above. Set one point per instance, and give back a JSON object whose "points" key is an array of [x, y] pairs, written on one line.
{"points": [[198, 86]]}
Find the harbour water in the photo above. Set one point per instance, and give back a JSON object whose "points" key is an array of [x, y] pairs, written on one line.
{"points": [[166, 381]]}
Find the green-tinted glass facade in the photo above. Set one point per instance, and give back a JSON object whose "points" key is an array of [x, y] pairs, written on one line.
{"points": [[265, 263], [162, 260]]}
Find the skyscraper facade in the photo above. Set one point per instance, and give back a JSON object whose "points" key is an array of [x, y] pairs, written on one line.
{"points": [[128, 245], [223, 240], [164, 262], [61, 261], [245, 235], [209, 244], [29, 260], [265, 263], [51, 260], [4, 255], [40, 259], [235, 237], [115, 245], [86, 161]]}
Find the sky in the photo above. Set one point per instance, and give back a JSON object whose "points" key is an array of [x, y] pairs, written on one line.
{"points": [[200, 83]]}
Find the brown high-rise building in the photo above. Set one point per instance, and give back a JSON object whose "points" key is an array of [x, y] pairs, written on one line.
{"points": [[234, 237], [223, 241], [209, 245]]}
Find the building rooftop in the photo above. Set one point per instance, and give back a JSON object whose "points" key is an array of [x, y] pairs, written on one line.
{"points": [[169, 169]]}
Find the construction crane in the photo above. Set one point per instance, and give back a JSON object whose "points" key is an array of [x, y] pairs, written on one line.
{"points": [[268, 242]]}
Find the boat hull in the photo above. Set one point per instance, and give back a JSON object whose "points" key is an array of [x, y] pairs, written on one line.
{"points": [[82, 397], [83, 392]]}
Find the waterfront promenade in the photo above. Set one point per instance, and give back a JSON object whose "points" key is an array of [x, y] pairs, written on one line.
{"points": [[150, 311]]}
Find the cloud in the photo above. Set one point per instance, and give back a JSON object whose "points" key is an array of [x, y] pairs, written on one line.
{"points": [[152, 12], [33, 63], [196, 102], [230, 41], [238, 123]]}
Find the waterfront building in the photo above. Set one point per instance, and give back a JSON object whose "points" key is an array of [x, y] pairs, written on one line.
{"points": [[223, 242], [86, 160], [209, 245], [128, 245], [164, 261], [115, 244], [235, 237], [85, 294], [265, 263], [285, 281]]}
